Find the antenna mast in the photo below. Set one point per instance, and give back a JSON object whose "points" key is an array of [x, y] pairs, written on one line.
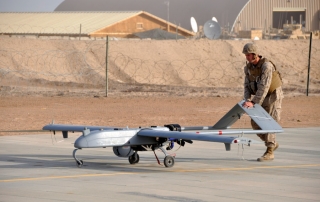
{"points": [[168, 4]]}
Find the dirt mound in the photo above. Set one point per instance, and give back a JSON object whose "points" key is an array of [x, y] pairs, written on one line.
{"points": [[28, 66]]}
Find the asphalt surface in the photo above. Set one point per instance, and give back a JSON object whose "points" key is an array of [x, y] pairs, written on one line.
{"points": [[40, 167]]}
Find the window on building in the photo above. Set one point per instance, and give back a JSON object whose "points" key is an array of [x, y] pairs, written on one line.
{"points": [[139, 25]]}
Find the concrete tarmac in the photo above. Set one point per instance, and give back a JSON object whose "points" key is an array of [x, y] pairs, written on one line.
{"points": [[40, 167]]}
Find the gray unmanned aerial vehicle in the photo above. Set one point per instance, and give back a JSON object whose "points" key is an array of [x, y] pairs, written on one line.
{"points": [[127, 142]]}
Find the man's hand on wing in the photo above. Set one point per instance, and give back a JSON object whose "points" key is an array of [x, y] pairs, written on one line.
{"points": [[248, 104]]}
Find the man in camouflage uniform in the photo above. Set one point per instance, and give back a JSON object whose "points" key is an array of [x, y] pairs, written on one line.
{"points": [[262, 86]]}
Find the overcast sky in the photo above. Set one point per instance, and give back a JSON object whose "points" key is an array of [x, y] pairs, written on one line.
{"points": [[28, 5], [180, 13]]}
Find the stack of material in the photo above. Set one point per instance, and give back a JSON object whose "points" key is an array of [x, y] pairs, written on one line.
{"points": [[158, 34], [251, 34], [292, 29]]}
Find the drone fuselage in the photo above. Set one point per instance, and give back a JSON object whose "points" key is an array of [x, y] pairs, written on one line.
{"points": [[112, 138]]}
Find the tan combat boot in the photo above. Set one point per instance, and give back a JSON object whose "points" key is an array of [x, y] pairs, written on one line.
{"points": [[268, 155]]}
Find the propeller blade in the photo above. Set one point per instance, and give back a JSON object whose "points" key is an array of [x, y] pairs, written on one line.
{"points": [[189, 141], [181, 142]]}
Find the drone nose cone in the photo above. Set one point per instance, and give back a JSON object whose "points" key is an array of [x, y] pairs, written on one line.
{"points": [[81, 142]]}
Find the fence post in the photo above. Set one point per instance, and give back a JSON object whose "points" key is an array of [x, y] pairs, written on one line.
{"points": [[309, 63], [107, 49], [80, 33]]}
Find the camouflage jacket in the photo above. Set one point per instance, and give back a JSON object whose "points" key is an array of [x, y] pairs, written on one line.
{"points": [[263, 85]]}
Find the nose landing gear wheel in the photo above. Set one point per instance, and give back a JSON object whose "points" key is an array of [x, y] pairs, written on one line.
{"points": [[79, 163], [168, 161]]}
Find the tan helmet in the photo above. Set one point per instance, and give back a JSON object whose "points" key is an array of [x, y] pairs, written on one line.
{"points": [[250, 48]]}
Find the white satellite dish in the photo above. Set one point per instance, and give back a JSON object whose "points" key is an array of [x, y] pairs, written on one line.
{"points": [[212, 29], [214, 19], [194, 25]]}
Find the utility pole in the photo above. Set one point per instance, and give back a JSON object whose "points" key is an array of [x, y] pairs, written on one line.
{"points": [[168, 5], [107, 62], [308, 79]]}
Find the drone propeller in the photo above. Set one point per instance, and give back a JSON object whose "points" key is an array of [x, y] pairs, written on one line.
{"points": [[182, 142]]}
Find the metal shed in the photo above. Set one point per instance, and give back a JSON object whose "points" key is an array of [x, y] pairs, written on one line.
{"points": [[268, 14]]}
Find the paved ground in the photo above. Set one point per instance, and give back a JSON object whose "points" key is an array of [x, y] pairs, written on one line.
{"points": [[41, 168]]}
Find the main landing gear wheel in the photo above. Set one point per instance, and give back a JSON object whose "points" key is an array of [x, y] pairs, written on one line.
{"points": [[134, 158], [168, 161]]}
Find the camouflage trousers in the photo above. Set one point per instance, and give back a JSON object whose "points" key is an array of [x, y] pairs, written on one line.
{"points": [[274, 109]]}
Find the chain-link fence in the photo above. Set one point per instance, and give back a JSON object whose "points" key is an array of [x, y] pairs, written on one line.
{"points": [[52, 67]]}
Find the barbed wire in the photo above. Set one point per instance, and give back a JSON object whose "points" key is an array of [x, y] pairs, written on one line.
{"points": [[81, 69]]}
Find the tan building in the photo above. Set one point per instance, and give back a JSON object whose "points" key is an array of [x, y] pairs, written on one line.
{"points": [[85, 24], [273, 14]]}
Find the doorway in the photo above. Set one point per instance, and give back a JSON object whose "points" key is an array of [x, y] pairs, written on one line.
{"points": [[288, 17]]}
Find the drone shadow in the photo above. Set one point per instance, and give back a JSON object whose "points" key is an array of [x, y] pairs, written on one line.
{"points": [[102, 163]]}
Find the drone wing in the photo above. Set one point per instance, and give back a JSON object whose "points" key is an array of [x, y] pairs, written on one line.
{"points": [[75, 128], [214, 136]]}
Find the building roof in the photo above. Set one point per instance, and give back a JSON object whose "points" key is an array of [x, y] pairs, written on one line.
{"points": [[60, 22], [66, 22]]}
